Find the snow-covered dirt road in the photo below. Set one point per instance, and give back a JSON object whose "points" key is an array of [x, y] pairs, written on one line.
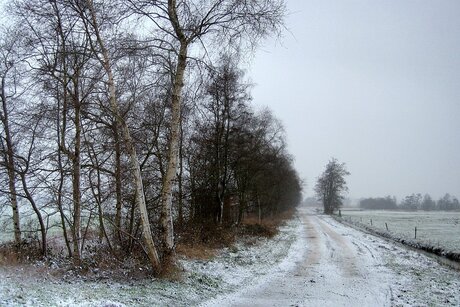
{"points": [[342, 266], [312, 261]]}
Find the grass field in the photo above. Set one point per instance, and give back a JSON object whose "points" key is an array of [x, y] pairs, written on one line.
{"points": [[436, 228], [29, 222]]}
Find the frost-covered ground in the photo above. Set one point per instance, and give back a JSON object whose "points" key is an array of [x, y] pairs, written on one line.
{"points": [[435, 228], [313, 261], [346, 267], [233, 268]]}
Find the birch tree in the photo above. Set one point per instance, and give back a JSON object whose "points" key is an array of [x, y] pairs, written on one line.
{"points": [[186, 26], [60, 64], [98, 44], [8, 60]]}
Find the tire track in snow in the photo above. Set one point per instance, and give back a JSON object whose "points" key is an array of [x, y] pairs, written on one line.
{"points": [[313, 245], [331, 273], [345, 253]]}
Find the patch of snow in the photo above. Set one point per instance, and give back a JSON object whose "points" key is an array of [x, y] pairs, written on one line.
{"points": [[416, 279], [264, 273]]}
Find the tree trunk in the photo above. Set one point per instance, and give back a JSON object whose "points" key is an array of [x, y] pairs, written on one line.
{"points": [[97, 192], [61, 210], [166, 219], [180, 178], [117, 180], [75, 155], [226, 151], [100, 212], [61, 133], [131, 228], [134, 162], [76, 173], [10, 165], [37, 213], [61, 172]]}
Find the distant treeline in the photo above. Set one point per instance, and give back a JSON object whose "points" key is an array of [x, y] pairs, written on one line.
{"points": [[411, 202]]}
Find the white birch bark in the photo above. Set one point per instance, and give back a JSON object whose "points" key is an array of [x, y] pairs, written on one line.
{"points": [[134, 162]]}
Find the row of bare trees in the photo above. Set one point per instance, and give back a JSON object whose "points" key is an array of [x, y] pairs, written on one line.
{"points": [[411, 202], [127, 118]]}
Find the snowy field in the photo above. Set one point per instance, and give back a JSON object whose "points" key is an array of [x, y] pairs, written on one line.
{"points": [[436, 228], [29, 222]]}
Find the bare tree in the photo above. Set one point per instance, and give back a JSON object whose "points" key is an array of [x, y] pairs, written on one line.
{"points": [[225, 100], [92, 21], [8, 85], [60, 63], [19, 154], [25, 172], [331, 185]]}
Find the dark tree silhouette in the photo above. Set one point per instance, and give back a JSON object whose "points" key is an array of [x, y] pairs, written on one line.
{"points": [[331, 184]]}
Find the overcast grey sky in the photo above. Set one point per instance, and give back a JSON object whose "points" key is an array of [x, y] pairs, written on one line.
{"points": [[375, 84]]}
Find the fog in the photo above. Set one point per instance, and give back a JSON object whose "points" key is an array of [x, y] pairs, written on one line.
{"points": [[374, 84]]}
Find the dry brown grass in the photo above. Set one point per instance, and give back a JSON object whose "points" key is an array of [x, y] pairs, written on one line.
{"points": [[275, 220], [195, 251], [203, 241], [266, 227], [27, 252], [8, 256]]}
